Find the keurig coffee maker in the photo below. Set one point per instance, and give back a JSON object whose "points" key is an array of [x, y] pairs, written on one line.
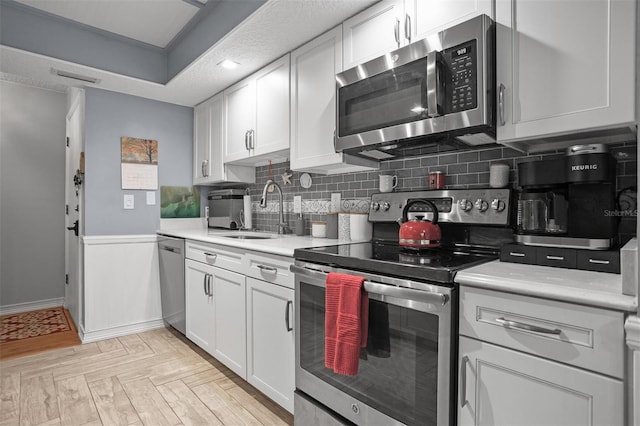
{"points": [[569, 201]]}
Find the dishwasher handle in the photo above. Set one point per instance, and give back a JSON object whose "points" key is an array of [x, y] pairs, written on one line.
{"points": [[382, 289]]}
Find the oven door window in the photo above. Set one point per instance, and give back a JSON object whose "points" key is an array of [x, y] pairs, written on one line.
{"points": [[397, 373], [390, 98]]}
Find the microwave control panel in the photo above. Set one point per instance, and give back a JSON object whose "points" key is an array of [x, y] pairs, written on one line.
{"points": [[462, 92]]}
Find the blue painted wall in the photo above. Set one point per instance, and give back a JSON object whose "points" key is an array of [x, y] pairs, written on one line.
{"points": [[108, 117]]}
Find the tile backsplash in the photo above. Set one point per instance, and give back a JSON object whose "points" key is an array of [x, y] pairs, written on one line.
{"points": [[464, 169]]}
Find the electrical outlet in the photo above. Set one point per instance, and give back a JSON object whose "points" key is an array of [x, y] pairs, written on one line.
{"points": [[335, 202], [151, 198], [297, 204], [128, 201]]}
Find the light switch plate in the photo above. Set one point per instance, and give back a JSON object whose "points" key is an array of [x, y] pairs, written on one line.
{"points": [[297, 204], [151, 198], [335, 202], [128, 201]]}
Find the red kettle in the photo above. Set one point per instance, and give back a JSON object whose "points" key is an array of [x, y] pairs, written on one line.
{"points": [[418, 233]]}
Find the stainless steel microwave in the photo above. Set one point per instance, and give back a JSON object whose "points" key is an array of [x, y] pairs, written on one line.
{"points": [[441, 88]]}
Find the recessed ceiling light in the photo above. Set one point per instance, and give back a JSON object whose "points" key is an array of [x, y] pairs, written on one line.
{"points": [[228, 64]]}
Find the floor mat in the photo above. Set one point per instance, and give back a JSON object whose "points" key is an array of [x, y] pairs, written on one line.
{"points": [[26, 325]]}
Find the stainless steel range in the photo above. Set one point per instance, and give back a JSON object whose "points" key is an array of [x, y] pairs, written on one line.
{"points": [[405, 373]]}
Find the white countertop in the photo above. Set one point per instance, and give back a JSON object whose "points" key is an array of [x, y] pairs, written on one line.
{"points": [[283, 245], [570, 285]]}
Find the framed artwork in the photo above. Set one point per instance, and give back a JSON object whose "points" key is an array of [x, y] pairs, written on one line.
{"points": [[139, 163]]}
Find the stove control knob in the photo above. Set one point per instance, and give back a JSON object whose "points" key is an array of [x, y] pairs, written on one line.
{"points": [[375, 206], [465, 205], [386, 206], [498, 205], [481, 205]]}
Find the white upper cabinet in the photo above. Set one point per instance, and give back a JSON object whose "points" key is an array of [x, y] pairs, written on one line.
{"points": [[392, 24], [374, 32], [564, 67], [208, 132], [427, 17], [257, 116], [313, 107]]}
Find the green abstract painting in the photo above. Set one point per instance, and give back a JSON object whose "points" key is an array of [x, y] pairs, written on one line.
{"points": [[179, 202]]}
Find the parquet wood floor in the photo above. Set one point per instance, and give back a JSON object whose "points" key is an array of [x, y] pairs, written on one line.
{"points": [[152, 378]]}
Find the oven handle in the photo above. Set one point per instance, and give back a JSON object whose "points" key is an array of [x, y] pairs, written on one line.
{"points": [[382, 289]]}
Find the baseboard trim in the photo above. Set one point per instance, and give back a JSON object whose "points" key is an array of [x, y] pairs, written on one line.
{"points": [[110, 333], [31, 306]]}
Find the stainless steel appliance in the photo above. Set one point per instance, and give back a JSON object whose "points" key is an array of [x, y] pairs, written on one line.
{"points": [[568, 201], [171, 263], [225, 208], [439, 90], [406, 372]]}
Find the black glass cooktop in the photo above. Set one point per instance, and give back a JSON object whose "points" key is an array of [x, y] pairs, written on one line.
{"points": [[389, 258]]}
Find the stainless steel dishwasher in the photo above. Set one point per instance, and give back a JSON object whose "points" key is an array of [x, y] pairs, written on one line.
{"points": [[171, 262]]}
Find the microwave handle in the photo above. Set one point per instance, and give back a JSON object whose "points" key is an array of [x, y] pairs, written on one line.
{"points": [[435, 84]]}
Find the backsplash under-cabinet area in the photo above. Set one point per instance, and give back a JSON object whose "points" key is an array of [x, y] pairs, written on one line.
{"points": [[463, 169]]}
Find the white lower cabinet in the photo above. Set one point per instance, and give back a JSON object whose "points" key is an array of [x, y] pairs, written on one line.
{"points": [[270, 340], [530, 361], [215, 313], [500, 386]]}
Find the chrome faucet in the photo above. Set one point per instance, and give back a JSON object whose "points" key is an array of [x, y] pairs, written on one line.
{"points": [[282, 225]]}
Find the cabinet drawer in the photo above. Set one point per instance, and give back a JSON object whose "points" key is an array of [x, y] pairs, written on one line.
{"points": [[221, 256], [549, 256], [599, 261], [517, 253], [270, 268], [583, 336]]}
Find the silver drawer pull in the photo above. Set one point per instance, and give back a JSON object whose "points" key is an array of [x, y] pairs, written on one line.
{"points": [[555, 257], [270, 269], [516, 254], [210, 255], [528, 327], [599, 261]]}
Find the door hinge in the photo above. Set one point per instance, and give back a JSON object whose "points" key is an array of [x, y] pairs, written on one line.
{"points": [[66, 279], [66, 209], [67, 140]]}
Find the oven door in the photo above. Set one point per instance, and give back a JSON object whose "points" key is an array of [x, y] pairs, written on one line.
{"points": [[404, 374]]}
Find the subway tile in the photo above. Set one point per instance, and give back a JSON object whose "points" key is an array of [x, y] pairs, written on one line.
{"points": [[428, 161], [491, 154], [395, 164], [480, 166], [467, 157], [511, 153], [454, 169], [448, 159], [631, 168], [466, 179], [414, 162]]}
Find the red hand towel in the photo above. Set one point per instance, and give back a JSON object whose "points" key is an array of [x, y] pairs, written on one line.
{"points": [[346, 322]]}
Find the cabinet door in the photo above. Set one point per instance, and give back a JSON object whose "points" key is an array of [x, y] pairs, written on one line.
{"points": [[374, 32], [272, 108], [216, 134], [229, 322], [500, 386], [201, 128], [198, 305], [564, 67], [427, 17], [313, 111], [270, 340], [239, 113]]}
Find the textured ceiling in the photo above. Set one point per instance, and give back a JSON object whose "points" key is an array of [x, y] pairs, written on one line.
{"points": [[273, 30]]}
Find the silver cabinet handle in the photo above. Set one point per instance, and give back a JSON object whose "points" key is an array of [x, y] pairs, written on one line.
{"points": [[528, 327], [252, 139], [173, 250], [209, 292], [213, 256], [501, 104], [516, 254], [407, 27], [205, 168], [246, 140], [549, 257], [204, 284], [396, 31], [599, 261], [266, 268], [463, 381], [287, 323]]}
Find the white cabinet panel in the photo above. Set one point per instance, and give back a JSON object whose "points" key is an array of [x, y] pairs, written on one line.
{"points": [[201, 135], [239, 109], [504, 387], [270, 340], [199, 305], [313, 109], [563, 67], [431, 16]]}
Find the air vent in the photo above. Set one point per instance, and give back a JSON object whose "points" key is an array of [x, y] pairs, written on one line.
{"points": [[74, 76]]}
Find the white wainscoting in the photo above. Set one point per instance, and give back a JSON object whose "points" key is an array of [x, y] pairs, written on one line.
{"points": [[31, 306], [121, 286]]}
